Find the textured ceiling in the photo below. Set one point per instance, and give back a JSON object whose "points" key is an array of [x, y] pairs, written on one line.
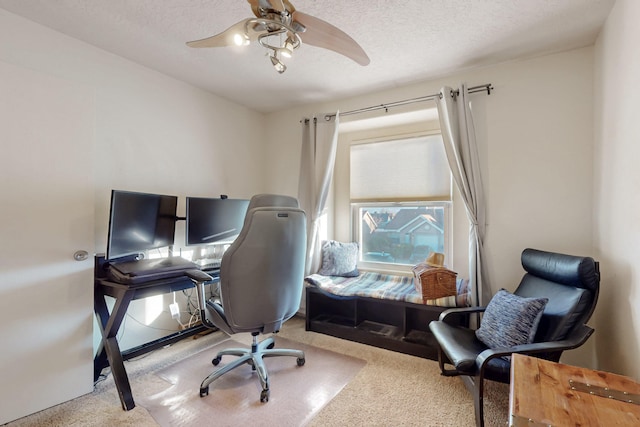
{"points": [[407, 40]]}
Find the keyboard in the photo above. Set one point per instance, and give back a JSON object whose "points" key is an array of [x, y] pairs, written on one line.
{"points": [[146, 270], [209, 263], [150, 266]]}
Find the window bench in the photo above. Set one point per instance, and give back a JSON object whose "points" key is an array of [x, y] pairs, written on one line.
{"points": [[376, 309]]}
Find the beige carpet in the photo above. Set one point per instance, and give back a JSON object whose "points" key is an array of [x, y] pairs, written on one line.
{"points": [[396, 389], [297, 392], [392, 389]]}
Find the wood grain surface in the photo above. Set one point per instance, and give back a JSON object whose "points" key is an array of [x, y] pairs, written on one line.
{"points": [[540, 392]]}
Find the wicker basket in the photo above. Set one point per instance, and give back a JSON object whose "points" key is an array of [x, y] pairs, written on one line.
{"points": [[434, 282]]}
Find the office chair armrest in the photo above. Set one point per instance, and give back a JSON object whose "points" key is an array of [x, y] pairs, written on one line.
{"points": [[199, 278], [452, 315], [578, 337]]}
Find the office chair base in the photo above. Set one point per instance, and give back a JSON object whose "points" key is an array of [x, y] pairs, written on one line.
{"points": [[253, 357]]}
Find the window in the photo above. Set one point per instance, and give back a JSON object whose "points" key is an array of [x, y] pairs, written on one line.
{"points": [[400, 197], [400, 233]]}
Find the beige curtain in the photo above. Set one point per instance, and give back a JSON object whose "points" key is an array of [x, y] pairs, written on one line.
{"points": [[319, 145], [456, 124]]}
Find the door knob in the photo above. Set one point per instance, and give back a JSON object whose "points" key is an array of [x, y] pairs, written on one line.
{"points": [[80, 255]]}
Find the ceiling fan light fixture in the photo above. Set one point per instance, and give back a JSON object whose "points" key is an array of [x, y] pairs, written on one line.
{"points": [[241, 39], [287, 53], [277, 64], [276, 20], [289, 45]]}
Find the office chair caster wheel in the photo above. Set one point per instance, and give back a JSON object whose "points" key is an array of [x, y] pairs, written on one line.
{"points": [[216, 360], [204, 391], [270, 346], [300, 361], [264, 396]]}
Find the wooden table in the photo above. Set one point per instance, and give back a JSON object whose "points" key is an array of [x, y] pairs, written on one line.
{"points": [[544, 393]]}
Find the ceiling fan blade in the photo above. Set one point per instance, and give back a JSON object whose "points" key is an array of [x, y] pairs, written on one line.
{"points": [[255, 4], [288, 6], [322, 34], [225, 38]]}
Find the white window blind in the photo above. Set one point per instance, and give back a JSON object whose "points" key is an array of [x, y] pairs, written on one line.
{"points": [[402, 169]]}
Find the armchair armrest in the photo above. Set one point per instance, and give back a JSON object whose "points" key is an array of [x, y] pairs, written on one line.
{"points": [[452, 315], [578, 337]]}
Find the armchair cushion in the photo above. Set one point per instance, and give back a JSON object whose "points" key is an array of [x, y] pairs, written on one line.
{"points": [[339, 259], [460, 345], [510, 320]]}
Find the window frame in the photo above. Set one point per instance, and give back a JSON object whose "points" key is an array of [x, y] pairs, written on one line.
{"points": [[392, 134]]}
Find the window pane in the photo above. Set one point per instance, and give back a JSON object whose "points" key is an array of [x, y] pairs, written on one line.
{"points": [[409, 168], [401, 235]]}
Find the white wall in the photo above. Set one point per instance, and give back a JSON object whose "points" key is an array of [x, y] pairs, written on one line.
{"points": [[535, 144], [535, 138], [151, 133], [616, 183]]}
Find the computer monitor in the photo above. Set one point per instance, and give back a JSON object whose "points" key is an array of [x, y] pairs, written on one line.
{"points": [[214, 221], [139, 222]]}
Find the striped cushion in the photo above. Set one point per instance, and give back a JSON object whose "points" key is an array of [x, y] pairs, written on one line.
{"points": [[510, 320], [386, 286]]}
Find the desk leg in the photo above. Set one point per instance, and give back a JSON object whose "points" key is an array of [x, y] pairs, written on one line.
{"points": [[100, 360], [109, 351], [119, 374]]}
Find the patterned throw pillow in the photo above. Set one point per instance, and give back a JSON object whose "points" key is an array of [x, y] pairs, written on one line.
{"points": [[510, 320], [339, 259]]}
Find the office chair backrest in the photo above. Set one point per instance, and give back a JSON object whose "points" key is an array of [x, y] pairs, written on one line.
{"points": [[262, 272], [571, 283], [262, 200]]}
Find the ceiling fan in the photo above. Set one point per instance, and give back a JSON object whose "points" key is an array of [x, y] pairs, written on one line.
{"points": [[280, 28]]}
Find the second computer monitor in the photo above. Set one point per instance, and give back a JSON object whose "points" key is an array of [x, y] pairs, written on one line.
{"points": [[214, 221]]}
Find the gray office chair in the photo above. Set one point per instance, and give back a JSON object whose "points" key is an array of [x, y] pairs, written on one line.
{"points": [[261, 282]]}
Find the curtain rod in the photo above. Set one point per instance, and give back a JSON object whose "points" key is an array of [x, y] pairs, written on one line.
{"points": [[481, 88]]}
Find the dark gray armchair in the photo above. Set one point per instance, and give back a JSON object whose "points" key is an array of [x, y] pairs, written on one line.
{"points": [[570, 283], [261, 282]]}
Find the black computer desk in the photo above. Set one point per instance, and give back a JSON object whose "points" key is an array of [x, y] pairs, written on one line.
{"points": [[109, 353]]}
